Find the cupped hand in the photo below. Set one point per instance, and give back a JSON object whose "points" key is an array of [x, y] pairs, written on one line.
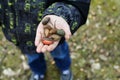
{"points": [[55, 22]]}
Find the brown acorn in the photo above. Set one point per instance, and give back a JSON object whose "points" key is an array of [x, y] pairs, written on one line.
{"points": [[53, 31], [46, 32]]}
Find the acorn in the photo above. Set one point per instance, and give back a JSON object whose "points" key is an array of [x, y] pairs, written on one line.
{"points": [[45, 20], [46, 32], [53, 31], [51, 34]]}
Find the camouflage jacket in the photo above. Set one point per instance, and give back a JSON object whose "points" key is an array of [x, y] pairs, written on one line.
{"points": [[19, 18]]}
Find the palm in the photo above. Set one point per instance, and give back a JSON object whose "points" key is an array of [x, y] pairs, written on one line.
{"points": [[55, 23]]}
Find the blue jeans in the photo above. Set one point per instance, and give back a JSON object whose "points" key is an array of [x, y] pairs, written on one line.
{"points": [[60, 55]]}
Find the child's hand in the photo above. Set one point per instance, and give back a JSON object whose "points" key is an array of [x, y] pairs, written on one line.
{"points": [[55, 22]]}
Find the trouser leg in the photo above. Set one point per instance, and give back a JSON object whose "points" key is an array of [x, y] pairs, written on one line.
{"points": [[61, 56], [37, 63], [63, 64]]}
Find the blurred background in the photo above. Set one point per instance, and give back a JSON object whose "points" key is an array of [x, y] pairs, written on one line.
{"points": [[95, 48]]}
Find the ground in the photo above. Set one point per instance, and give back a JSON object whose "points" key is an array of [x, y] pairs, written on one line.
{"points": [[95, 48]]}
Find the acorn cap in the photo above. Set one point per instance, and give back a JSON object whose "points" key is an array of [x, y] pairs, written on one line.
{"points": [[55, 37], [60, 32], [45, 20]]}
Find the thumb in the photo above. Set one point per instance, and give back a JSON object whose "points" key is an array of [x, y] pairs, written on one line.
{"points": [[67, 33], [67, 36]]}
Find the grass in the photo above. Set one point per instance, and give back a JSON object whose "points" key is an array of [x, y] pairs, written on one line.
{"points": [[97, 42]]}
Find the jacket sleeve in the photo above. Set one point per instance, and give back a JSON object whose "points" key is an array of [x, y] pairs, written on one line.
{"points": [[75, 12]]}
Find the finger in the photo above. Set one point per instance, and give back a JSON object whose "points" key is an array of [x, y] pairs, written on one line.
{"points": [[39, 34], [37, 38], [67, 34], [67, 30], [49, 24], [52, 46], [39, 47], [44, 49]]}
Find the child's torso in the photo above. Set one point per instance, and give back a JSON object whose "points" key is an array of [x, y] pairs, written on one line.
{"points": [[21, 18]]}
